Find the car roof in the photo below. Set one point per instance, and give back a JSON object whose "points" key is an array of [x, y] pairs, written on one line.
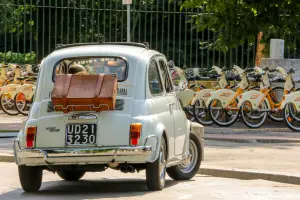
{"points": [[127, 51]]}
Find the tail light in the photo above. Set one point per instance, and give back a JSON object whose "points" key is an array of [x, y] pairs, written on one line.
{"points": [[30, 136], [135, 134]]}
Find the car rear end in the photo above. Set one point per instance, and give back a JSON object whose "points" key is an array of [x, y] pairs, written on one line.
{"points": [[106, 138]]}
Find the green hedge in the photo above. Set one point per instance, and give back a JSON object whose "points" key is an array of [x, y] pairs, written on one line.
{"points": [[20, 58]]}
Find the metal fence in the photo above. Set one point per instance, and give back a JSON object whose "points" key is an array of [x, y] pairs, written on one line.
{"points": [[36, 26]]}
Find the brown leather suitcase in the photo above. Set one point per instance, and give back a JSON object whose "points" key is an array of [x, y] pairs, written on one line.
{"points": [[84, 92]]}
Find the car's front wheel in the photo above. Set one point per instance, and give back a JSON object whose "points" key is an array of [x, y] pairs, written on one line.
{"points": [[70, 175], [30, 178], [156, 171], [190, 166]]}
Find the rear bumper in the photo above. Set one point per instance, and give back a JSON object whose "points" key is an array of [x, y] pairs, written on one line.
{"points": [[80, 156]]}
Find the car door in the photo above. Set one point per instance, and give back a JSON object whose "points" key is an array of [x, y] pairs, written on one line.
{"points": [[160, 105], [178, 115]]}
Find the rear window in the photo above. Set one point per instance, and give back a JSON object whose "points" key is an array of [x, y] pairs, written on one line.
{"points": [[103, 65]]}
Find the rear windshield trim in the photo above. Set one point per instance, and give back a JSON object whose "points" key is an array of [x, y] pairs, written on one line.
{"points": [[89, 57]]}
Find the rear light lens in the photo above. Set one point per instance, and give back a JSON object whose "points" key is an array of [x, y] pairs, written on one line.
{"points": [[135, 134], [30, 136]]}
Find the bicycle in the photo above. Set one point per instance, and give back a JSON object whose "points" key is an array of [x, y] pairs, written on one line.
{"points": [[9, 92], [291, 106], [256, 106], [200, 98], [223, 103]]}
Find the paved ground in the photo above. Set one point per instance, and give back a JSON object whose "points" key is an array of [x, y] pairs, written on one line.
{"points": [[280, 158], [10, 123], [115, 185]]}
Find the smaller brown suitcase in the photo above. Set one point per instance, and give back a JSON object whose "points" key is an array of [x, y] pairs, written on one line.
{"points": [[84, 92]]}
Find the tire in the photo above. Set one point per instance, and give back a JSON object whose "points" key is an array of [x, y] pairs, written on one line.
{"points": [[278, 116], [11, 111], [189, 110], [201, 113], [249, 119], [183, 172], [216, 116], [21, 110], [30, 178], [156, 171], [292, 120], [70, 174]]}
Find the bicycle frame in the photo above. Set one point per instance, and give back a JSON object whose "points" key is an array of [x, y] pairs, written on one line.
{"points": [[227, 96], [266, 93]]}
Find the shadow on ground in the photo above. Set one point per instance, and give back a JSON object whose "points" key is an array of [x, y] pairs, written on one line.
{"points": [[87, 189]]}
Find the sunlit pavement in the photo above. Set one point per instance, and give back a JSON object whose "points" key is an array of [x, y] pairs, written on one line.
{"points": [[115, 185]]}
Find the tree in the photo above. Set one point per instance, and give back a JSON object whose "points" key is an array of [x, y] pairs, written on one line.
{"points": [[238, 21]]}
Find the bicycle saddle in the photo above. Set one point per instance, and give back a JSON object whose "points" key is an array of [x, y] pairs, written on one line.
{"points": [[20, 78], [277, 79]]}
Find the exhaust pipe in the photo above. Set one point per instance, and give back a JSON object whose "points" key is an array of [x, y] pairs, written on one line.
{"points": [[130, 169], [127, 168], [124, 169]]}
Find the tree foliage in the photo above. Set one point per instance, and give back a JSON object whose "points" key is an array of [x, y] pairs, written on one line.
{"points": [[236, 21]]}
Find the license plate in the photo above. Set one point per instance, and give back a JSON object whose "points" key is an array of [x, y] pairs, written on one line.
{"points": [[81, 134]]}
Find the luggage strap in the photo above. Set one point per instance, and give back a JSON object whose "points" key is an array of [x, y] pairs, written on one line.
{"points": [[98, 89], [65, 91]]}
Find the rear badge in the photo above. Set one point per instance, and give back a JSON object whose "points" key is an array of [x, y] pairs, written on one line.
{"points": [[83, 117], [52, 129]]}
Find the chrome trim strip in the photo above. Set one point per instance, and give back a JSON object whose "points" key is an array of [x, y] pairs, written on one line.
{"points": [[52, 153]]}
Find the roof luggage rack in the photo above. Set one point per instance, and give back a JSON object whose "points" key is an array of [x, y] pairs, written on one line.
{"points": [[62, 46]]}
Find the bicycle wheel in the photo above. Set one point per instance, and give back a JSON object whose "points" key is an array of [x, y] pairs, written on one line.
{"points": [[7, 104], [201, 113], [277, 94], [253, 118], [21, 104], [221, 116], [292, 117], [189, 110]]}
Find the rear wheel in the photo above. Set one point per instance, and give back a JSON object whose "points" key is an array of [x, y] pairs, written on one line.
{"points": [[30, 178], [292, 117], [156, 171], [201, 113], [70, 174], [7, 104], [191, 165], [253, 118], [220, 115]]}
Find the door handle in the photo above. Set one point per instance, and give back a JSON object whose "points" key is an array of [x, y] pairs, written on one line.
{"points": [[170, 106]]}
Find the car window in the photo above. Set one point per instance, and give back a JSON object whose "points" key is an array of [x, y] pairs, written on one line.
{"points": [[165, 76], [155, 84], [103, 65]]}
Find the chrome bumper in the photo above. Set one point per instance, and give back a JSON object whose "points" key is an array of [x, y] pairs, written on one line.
{"points": [[91, 155]]}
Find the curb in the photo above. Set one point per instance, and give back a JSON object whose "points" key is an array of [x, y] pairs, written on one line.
{"points": [[6, 158], [212, 130], [8, 131], [8, 134], [249, 175], [252, 140]]}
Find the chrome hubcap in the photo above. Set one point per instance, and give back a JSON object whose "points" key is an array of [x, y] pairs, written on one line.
{"points": [[162, 164], [190, 162]]}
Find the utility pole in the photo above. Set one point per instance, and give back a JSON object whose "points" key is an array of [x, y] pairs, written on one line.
{"points": [[128, 3]]}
